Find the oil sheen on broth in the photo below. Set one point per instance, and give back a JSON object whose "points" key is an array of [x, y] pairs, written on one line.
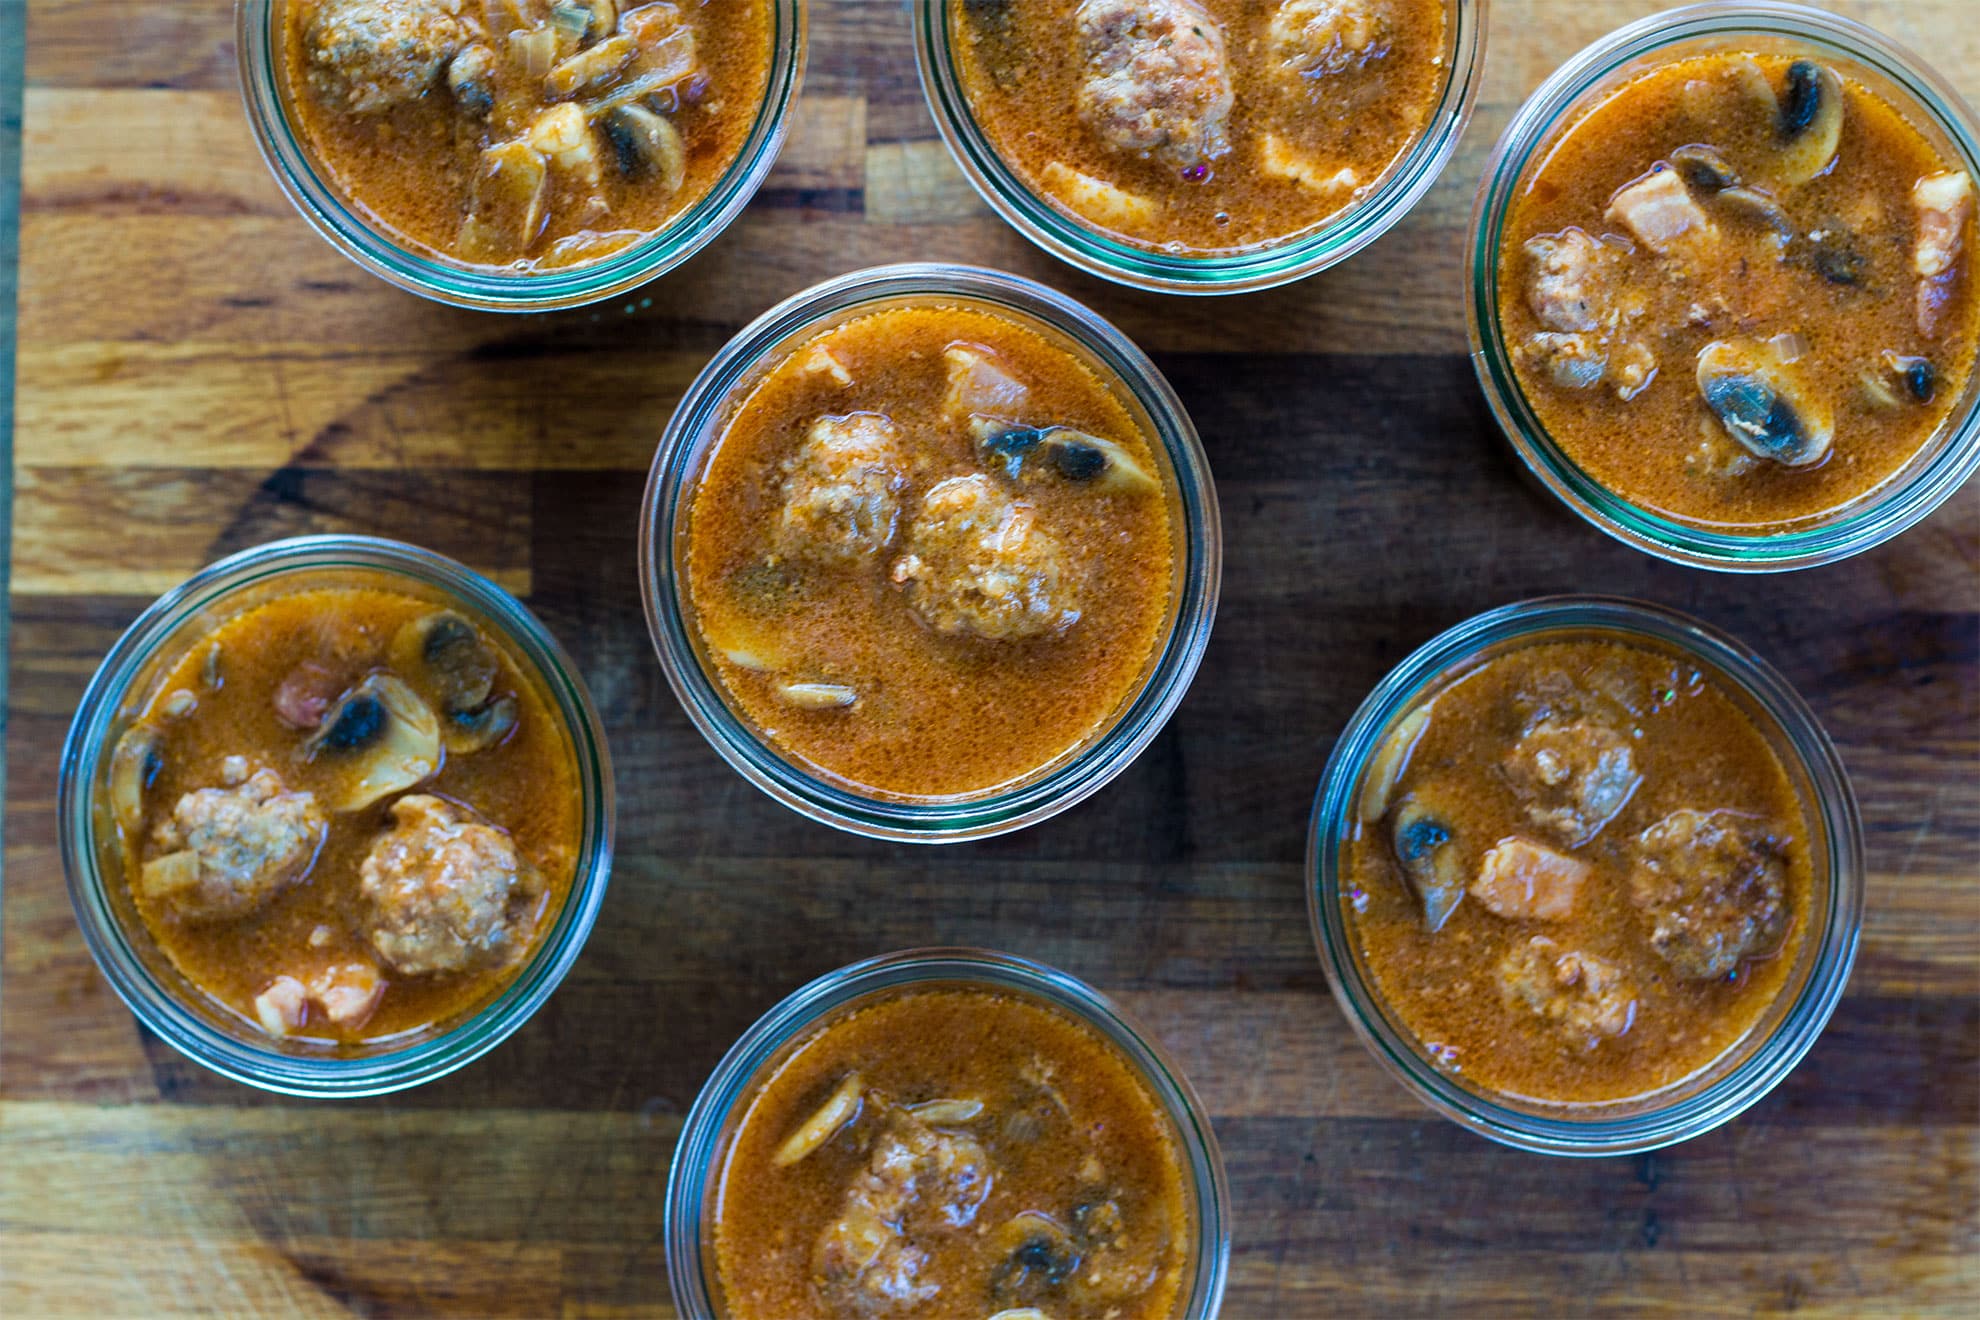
{"points": [[346, 815], [932, 552], [1580, 874], [1736, 292], [1201, 127], [953, 1154], [525, 134]]}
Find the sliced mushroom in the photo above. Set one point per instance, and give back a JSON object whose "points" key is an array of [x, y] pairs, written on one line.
{"points": [[445, 654], [134, 765], [594, 66], [1430, 860], [452, 666], [1810, 121], [1703, 168], [1762, 402], [1920, 380], [647, 145], [469, 731], [817, 696], [1386, 768], [1756, 207], [1040, 1256], [1071, 455], [947, 1111], [386, 733], [471, 80], [841, 1108]]}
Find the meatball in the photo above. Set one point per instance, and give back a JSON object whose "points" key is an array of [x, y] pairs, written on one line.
{"points": [[224, 852], [1316, 38], [371, 55], [1714, 886], [1582, 996], [842, 490], [446, 892], [1573, 279], [1158, 84], [1573, 774], [917, 1180], [977, 563]]}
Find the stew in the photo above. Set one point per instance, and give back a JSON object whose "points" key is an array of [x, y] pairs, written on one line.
{"points": [[1580, 875], [932, 552], [1201, 127], [346, 815], [1737, 290], [526, 134], [953, 1153]]}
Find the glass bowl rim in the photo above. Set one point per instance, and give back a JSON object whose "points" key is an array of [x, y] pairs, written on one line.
{"points": [[1909, 495], [1832, 950], [693, 1166], [158, 1007], [486, 288], [1245, 270], [669, 490]]}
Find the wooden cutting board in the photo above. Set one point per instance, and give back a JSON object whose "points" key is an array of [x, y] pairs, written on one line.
{"points": [[198, 373]]}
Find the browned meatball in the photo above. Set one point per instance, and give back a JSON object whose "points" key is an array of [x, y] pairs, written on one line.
{"points": [[223, 852], [1316, 38], [1573, 771], [1583, 997], [842, 490], [370, 55], [1714, 885], [446, 892], [918, 1180], [977, 563], [1157, 84]]}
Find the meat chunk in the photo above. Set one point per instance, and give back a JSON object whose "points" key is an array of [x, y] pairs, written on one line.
{"points": [[1585, 998], [1714, 886], [977, 563], [842, 491], [371, 55], [445, 891], [980, 384], [1573, 278], [347, 994], [1573, 772], [1317, 38], [1526, 881], [918, 1181], [224, 852], [1158, 83], [1570, 361], [1659, 211], [1944, 203]]}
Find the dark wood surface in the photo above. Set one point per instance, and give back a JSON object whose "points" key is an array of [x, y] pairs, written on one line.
{"points": [[197, 373]]}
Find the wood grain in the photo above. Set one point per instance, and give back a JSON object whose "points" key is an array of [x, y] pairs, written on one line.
{"points": [[197, 373]]}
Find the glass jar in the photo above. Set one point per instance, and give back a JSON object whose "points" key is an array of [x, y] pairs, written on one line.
{"points": [[1263, 266], [1909, 494], [1784, 1032], [696, 427], [258, 39], [694, 1181], [177, 1011]]}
